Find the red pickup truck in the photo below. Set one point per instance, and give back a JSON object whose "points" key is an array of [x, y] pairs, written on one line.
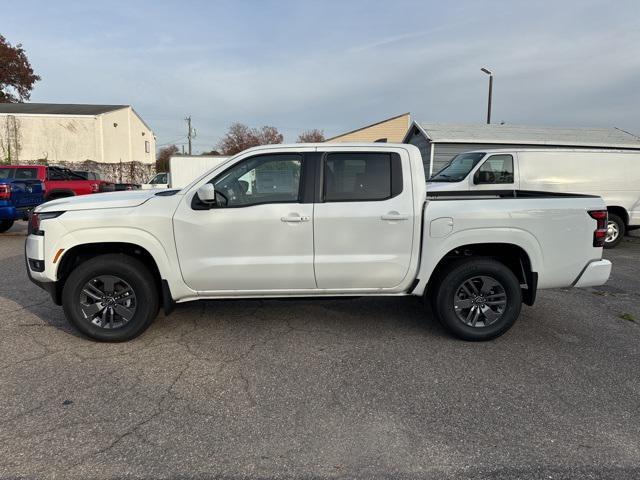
{"points": [[58, 182]]}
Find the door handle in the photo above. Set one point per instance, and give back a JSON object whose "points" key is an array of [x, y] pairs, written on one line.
{"points": [[394, 216], [295, 219]]}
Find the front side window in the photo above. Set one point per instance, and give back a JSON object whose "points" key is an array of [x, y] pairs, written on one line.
{"points": [[458, 168], [497, 169], [357, 177], [261, 179]]}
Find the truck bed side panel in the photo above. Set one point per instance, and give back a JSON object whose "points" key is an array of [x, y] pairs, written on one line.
{"points": [[555, 232]]}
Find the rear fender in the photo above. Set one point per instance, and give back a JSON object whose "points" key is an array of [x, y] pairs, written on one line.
{"points": [[435, 249]]}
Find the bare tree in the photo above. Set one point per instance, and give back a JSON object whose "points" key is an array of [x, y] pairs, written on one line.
{"points": [[311, 136], [16, 75], [240, 137], [162, 160]]}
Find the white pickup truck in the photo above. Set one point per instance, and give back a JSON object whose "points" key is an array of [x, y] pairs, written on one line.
{"points": [[313, 220]]}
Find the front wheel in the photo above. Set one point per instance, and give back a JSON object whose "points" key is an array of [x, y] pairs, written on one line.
{"points": [[615, 231], [111, 298], [478, 299], [5, 225]]}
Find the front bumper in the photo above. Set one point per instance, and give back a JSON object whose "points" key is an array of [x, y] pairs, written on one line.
{"points": [[34, 250], [595, 273]]}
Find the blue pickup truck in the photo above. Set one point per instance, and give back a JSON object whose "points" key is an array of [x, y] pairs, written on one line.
{"points": [[17, 198]]}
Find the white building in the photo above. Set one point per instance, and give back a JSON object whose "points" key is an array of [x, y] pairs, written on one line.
{"points": [[71, 133]]}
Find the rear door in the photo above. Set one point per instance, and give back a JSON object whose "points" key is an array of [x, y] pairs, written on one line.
{"points": [[363, 223]]}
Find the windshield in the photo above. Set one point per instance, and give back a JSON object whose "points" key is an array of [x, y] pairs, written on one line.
{"points": [[458, 168], [160, 178]]}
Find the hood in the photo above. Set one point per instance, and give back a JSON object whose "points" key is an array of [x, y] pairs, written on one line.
{"points": [[125, 199], [447, 186]]}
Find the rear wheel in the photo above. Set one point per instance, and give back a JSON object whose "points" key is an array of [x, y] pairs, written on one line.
{"points": [[5, 225], [615, 231], [478, 299], [111, 298]]}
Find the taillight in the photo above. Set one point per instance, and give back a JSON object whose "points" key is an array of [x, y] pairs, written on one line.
{"points": [[600, 234], [5, 191], [95, 188]]}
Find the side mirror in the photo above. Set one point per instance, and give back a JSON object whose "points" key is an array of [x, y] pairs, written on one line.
{"points": [[206, 193]]}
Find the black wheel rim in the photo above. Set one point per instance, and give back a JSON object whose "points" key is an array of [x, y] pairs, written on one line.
{"points": [[108, 302], [480, 301]]}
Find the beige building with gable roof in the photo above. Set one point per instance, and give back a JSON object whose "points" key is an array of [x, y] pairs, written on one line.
{"points": [[391, 130]]}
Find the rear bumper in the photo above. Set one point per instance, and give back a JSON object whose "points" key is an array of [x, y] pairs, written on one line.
{"points": [[595, 273], [13, 213]]}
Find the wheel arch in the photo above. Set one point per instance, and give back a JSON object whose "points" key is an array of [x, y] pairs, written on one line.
{"points": [[80, 246], [58, 193], [508, 245], [621, 212]]}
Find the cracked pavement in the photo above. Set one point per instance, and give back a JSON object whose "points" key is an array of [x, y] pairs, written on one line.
{"points": [[359, 388]]}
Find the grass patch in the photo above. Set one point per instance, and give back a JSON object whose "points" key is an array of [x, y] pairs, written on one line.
{"points": [[628, 317]]}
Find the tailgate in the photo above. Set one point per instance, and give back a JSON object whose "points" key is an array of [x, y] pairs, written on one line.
{"points": [[26, 193]]}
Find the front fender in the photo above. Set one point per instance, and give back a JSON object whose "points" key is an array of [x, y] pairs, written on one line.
{"points": [[435, 249], [166, 260]]}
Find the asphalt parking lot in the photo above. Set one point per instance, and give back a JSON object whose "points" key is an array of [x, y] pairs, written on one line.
{"points": [[364, 388]]}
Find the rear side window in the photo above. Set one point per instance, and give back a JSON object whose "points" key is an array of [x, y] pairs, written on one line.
{"points": [[497, 169], [55, 174], [26, 174], [361, 176]]}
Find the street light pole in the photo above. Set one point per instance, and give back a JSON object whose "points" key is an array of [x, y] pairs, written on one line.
{"points": [[488, 72]]}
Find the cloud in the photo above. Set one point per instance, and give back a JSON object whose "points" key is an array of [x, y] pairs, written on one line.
{"points": [[572, 64]]}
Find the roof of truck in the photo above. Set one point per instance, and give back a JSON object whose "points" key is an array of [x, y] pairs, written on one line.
{"points": [[527, 135]]}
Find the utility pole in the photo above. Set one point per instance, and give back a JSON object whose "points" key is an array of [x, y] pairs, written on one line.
{"points": [[191, 133], [488, 72]]}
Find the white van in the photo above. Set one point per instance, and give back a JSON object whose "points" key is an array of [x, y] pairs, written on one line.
{"points": [[613, 175]]}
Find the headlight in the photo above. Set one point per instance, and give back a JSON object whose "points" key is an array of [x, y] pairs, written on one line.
{"points": [[36, 218]]}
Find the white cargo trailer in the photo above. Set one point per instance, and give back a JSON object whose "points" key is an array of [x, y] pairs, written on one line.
{"points": [[184, 169]]}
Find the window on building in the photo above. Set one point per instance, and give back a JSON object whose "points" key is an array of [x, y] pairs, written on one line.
{"points": [[147, 146]]}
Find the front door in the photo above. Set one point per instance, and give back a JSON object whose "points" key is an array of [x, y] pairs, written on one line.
{"points": [[364, 222], [259, 234]]}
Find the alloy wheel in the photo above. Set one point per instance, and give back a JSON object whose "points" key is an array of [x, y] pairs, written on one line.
{"points": [[612, 232], [107, 301], [480, 301]]}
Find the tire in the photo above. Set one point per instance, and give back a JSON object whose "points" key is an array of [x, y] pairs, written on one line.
{"points": [[5, 225], [496, 312], [134, 293], [616, 226]]}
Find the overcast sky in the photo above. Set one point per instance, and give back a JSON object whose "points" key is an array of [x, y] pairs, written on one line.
{"points": [[335, 65]]}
